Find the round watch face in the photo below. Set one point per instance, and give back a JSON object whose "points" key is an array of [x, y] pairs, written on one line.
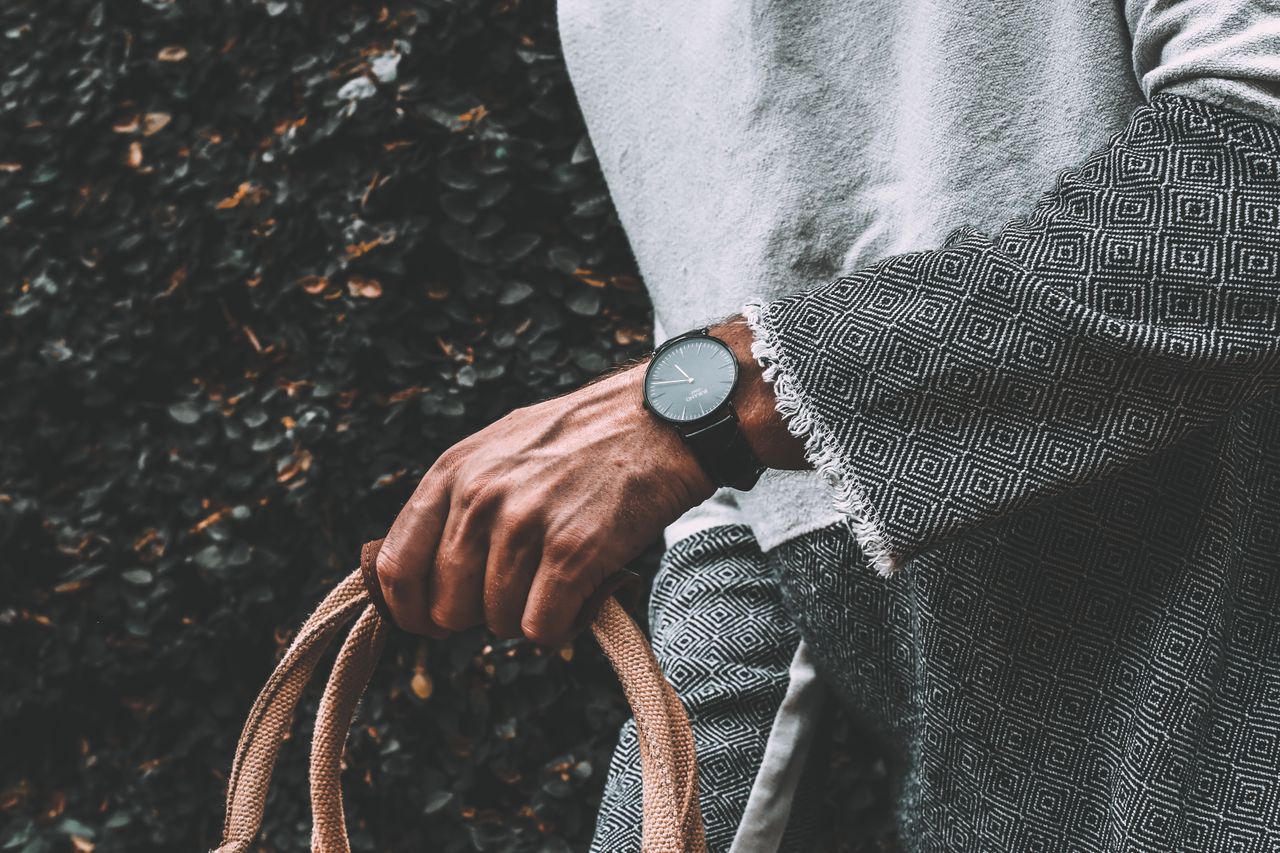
{"points": [[690, 379]]}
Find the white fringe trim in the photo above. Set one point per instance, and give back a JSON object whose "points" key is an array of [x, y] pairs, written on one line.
{"points": [[820, 449]]}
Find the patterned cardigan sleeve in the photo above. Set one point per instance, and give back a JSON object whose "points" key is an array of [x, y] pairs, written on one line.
{"points": [[1136, 302]]}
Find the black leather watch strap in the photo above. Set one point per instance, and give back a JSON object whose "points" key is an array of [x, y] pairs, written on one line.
{"points": [[723, 450]]}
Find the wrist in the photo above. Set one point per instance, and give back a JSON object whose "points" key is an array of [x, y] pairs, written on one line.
{"points": [[753, 399]]}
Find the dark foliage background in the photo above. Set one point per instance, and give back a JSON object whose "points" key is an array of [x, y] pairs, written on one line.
{"points": [[264, 261]]}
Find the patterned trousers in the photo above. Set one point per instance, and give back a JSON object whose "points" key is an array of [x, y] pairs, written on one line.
{"points": [[735, 658]]}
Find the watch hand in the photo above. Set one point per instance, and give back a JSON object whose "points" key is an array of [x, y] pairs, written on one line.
{"points": [[672, 382], [682, 373]]}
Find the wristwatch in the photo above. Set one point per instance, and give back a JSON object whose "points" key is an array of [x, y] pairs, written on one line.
{"points": [[689, 384]]}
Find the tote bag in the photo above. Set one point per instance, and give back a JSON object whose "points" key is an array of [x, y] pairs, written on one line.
{"points": [[672, 822]]}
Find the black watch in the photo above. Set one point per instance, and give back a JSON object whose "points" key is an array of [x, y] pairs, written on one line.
{"points": [[689, 384]]}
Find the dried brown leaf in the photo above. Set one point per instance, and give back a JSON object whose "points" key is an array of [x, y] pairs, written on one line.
{"points": [[300, 464], [153, 123], [471, 116], [246, 193], [313, 284], [421, 684], [368, 288]]}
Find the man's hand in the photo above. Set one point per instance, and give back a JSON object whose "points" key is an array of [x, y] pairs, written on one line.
{"points": [[516, 525]]}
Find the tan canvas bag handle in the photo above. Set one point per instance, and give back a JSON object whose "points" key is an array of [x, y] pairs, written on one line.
{"points": [[672, 821]]}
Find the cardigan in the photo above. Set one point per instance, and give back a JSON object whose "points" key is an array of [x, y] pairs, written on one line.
{"points": [[756, 150], [1053, 456]]}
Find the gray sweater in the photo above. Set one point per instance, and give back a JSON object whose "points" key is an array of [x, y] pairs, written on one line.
{"points": [[755, 150]]}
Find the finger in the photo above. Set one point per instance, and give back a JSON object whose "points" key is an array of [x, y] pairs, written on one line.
{"points": [[513, 562], [622, 585], [556, 596], [408, 552], [455, 587]]}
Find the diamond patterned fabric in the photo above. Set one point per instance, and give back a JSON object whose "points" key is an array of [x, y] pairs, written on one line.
{"points": [[1059, 448], [1062, 446], [725, 642]]}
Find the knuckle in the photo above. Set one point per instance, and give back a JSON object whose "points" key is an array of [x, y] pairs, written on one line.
{"points": [[451, 457], [389, 567], [558, 552], [443, 616], [446, 617], [529, 503], [536, 632], [475, 495], [516, 515], [421, 504], [402, 593]]}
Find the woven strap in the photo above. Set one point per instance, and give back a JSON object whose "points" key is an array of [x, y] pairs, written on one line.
{"points": [[350, 676], [672, 820]]}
